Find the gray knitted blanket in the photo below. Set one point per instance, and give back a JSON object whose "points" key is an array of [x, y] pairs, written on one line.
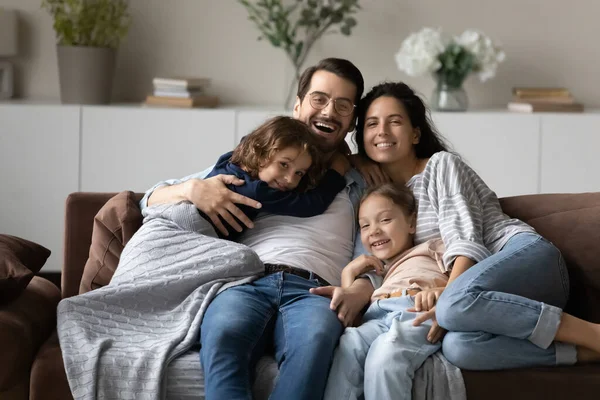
{"points": [[117, 341]]}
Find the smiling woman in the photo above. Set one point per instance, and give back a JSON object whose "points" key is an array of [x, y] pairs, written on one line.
{"points": [[492, 258]]}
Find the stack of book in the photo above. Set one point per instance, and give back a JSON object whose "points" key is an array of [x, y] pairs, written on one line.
{"points": [[181, 92], [540, 99]]}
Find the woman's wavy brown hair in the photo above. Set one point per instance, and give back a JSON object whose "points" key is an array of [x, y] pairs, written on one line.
{"points": [[258, 148]]}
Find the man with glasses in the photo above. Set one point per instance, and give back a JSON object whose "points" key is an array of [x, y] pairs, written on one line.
{"points": [[288, 309]]}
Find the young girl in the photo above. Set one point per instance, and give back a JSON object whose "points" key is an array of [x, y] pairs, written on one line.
{"points": [[380, 357], [279, 161]]}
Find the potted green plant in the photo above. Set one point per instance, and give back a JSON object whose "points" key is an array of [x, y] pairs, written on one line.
{"points": [[88, 34]]}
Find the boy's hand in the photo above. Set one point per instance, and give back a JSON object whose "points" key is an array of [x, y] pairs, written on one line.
{"points": [[370, 170], [426, 299], [359, 266], [436, 333]]}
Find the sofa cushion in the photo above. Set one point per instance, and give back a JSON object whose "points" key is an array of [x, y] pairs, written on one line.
{"points": [[114, 225], [25, 324], [572, 223], [20, 260]]}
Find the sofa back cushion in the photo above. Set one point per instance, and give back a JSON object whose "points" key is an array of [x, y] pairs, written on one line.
{"points": [[572, 223], [114, 225], [20, 260]]}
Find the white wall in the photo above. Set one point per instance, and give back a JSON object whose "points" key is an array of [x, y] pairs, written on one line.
{"points": [[548, 42]]}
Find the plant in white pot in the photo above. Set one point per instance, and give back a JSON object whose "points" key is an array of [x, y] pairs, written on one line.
{"points": [[88, 34]]}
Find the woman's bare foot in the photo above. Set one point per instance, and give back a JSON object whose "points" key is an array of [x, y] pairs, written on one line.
{"points": [[578, 332], [585, 355]]}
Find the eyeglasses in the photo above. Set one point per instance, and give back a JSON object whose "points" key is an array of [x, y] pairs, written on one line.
{"points": [[319, 101]]}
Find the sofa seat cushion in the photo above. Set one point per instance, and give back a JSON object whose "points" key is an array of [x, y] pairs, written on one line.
{"points": [[572, 382], [25, 324], [114, 225], [20, 260]]}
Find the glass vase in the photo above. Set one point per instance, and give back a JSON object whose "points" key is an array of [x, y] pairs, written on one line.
{"points": [[448, 97]]}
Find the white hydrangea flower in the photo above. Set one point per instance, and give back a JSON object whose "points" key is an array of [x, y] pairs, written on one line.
{"points": [[418, 54], [487, 54]]}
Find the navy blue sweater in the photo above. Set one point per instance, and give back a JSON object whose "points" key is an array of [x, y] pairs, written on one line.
{"points": [[307, 204]]}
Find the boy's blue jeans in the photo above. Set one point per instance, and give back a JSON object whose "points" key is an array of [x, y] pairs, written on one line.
{"points": [[504, 311], [380, 357], [274, 310]]}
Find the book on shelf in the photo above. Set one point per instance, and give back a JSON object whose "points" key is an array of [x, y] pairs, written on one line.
{"points": [[202, 101], [535, 92], [180, 93], [545, 107], [545, 100], [181, 82]]}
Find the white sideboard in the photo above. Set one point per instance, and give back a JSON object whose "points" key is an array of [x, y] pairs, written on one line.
{"points": [[49, 151]]}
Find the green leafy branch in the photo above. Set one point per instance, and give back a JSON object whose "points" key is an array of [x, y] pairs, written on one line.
{"points": [[296, 27], [457, 63], [93, 23]]}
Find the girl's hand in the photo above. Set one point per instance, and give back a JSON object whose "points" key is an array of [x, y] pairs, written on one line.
{"points": [[426, 299], [436, 332], [359, 266], [369, 169]]}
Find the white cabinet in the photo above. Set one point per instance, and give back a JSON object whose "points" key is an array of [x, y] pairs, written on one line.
{"points": [[49, 151], [132, 148], [570, 153], [503, 148], [39, 167]]}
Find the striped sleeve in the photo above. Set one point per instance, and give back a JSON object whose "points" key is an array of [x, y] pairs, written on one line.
{"points": [[460, 210]]}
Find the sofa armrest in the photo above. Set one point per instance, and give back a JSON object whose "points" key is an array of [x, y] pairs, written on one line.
{"points": [[25, 324]]}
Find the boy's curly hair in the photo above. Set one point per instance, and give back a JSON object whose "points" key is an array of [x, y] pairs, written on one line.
{"points": [[258, 148]]}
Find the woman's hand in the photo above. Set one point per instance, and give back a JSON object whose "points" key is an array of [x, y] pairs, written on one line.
{"points": [[426, 299], [436, 332], [370, 170], [359, 266], [213, 198], [340, 163]]}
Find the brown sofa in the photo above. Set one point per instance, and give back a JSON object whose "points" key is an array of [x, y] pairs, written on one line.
{"points": [[27, 313], [572, 222]]}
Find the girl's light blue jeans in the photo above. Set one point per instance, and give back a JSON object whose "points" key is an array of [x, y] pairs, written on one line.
{"points": [[381, 356], [504, 311]]}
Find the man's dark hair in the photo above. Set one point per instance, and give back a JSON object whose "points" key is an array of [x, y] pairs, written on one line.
{"points": [[338, 66]]}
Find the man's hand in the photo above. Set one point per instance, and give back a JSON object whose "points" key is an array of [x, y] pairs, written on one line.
{"points": [[348, 302], [370, 170], [213, 198], [436, 333], [426, 299], [359, 266]]}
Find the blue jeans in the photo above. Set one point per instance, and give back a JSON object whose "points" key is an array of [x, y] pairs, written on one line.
{"points": [[380, 357], [505, 310], [242, 320]]}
